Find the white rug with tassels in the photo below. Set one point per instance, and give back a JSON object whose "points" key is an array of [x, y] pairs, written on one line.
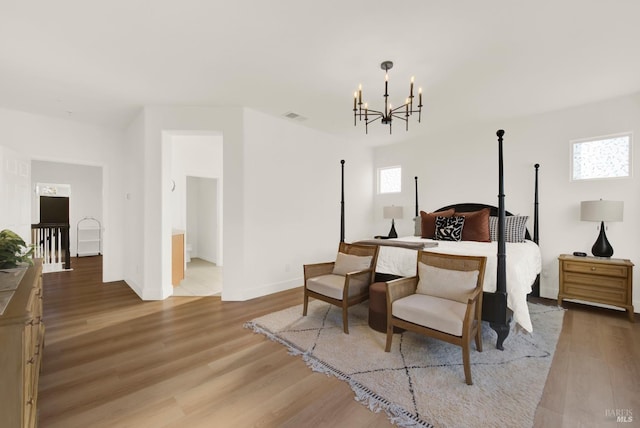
{"points": [[421, 381]]}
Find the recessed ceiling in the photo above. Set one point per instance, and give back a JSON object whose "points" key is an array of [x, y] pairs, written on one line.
{"points": [[476, 61]]}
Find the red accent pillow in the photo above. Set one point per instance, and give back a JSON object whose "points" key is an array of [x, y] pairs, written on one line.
{"points": [[476, 226], [428, 221]]}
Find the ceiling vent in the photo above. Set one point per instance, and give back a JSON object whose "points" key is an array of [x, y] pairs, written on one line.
{"points": [[294, 116]]}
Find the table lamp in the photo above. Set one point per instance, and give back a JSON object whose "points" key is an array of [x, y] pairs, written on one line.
{"points": [[392, 212], [601, 211]]}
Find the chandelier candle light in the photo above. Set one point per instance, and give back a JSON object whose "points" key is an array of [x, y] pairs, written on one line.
{"points": [[403, 112]]}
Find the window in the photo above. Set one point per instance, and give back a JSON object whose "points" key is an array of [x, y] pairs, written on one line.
{"points": [[601, 157], [390, 180]]}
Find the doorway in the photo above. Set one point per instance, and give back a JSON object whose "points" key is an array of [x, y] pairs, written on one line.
{"points": [[50, 237], [55, 203], [196, 196], [203, 273]]}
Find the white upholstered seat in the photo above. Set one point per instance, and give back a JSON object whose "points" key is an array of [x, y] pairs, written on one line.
{"points": [[332, 285], [344, 282], [444, 301], [437, 313]]}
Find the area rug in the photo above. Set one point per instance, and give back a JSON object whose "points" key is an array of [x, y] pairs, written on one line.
{"points": [[420, 383]]}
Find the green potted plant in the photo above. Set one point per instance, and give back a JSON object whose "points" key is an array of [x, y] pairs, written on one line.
{"points": [[13, 250]]}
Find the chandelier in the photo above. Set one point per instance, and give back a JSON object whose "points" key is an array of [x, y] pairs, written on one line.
{"points": [[361, 110]]}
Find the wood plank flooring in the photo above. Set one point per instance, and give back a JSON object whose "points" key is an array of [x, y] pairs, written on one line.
{"points": [[112, 360]]}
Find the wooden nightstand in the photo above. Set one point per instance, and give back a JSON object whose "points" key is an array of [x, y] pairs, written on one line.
{"points": [[598, 280]]}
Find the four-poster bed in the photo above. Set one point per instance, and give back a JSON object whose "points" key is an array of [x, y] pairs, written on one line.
{"points": [[520, 272]]}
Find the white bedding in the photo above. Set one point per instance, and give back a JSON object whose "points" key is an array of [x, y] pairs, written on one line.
{"points": [[524, 262]]}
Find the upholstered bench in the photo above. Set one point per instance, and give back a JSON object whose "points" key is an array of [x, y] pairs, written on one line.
{"points": [[378, 308]]}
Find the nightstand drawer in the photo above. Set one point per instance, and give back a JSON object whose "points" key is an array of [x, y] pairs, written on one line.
{"points": [[596, 269], [591, 293], [595, 281]]}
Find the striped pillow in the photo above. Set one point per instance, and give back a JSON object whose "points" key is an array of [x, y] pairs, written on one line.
{"points": [[515, 228]]}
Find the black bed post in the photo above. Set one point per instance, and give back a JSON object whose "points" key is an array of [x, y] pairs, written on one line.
{"points": [[535, 208], [535, 288], [502, 275], [416, 179], [501, 323], [342, 202]]}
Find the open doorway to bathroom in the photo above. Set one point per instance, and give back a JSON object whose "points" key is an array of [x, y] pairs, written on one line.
{"points": [[196, 196], [203, 273]]}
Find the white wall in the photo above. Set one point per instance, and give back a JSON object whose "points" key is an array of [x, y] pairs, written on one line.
{"points": [[15, 182], [133, 195], [202, 218], [276, 174], [148, 175], [59, 140], [461, 166], [193, 190], [292, 199], [86, 192], [206, 207]]}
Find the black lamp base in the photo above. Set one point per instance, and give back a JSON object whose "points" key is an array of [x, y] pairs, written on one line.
{"points": [[602, 247], [392, 232]]}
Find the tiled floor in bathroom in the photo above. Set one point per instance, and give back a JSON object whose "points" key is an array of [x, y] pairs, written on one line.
{"points": [[201, 278]]}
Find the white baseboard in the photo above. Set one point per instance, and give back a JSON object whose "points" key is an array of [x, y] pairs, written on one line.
{"points": [[261, 290], [134, 286]]}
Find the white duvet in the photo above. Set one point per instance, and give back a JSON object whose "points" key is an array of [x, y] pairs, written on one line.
{"points": [[524, 262]]}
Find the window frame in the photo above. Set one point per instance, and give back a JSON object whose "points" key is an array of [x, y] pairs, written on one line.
{"points": [[572, 145], [379, 181]]}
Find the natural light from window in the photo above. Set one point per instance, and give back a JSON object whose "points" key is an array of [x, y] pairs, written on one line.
{"points": [[601, 157], [390, 180]]}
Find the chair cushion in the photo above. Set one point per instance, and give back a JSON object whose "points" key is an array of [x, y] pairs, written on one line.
{"points": [[430, 311], [332, 285], [346, 263], [446, 283]]}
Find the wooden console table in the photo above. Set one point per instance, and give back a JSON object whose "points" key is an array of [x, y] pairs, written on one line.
{"points": [[21, 345]]}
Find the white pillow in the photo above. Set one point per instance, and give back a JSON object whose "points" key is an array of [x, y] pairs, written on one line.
{"points": [[445, 283], [417, 227], [346, 263]]}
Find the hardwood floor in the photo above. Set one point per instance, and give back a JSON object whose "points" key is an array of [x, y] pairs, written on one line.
{"points": [[595, 371], [112, 360]]}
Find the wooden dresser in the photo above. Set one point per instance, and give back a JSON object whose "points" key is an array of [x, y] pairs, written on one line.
{"points": [[598, 280], [21, 343]]}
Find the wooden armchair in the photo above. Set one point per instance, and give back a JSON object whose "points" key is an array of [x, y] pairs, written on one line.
{"points": [[444, 301], [344, 282]]}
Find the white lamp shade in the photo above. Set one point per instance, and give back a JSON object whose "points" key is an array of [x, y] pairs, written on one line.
{"points": [[601, 210], [392, 212]]}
